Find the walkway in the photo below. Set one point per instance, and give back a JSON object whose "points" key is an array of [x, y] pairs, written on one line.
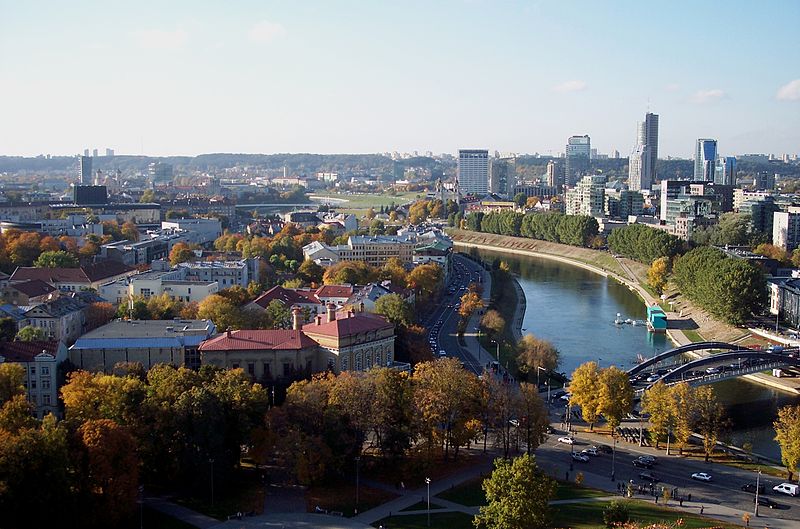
{"points": [[180, 512]]}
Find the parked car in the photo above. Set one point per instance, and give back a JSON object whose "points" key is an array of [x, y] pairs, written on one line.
{"points": [[648, 476], [787, 488], [766, 502], [582, 458], [591, 451], [751, 487], [566, 440], [605, 449], [701, 476]]}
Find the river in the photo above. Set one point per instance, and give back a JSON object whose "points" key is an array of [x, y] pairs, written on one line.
{"points": [[575, 309]]}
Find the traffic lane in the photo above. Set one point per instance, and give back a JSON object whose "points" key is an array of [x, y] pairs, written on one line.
{"points": [[725, 487]]}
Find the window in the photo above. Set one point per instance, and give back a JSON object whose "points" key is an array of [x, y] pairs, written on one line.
{"points": [[251, 369], [46, 399], [287, 369], [345, 364], [267, 369], [33, 383], [358, 362], [235, 365], [45, 370], [33, 370], [45, 383]]}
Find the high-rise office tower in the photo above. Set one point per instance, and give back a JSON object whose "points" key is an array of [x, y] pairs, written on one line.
{"points": [[110, 152], [642, 162], [725, 173], [473, 171], [86, 152], [86, 170], [579, 151], [555, 174], [705, 160], [503, 175], [648, 135]]}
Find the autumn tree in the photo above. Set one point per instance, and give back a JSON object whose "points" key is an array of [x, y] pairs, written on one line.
{"points": [[395, 309], [470, 302], [659, 402], [129, 231], [180, 253], [533, 353], [393, 411], [310, 272], [99, 313], [221, 311], [518, 496], [616, 396], [787, 433], [657, 274], [395, 272], [351, 272], [163, 307], [500, 409], [16, 414], [533, 416], [493, 322], [12, 379], [709, 419], [584, 389], [426, 280]]}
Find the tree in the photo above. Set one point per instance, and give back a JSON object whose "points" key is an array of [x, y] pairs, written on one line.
{"points": [[493, 322], [16, 414], [130, 232], [310, 272], [426, 280], [518, 496], [8, 329], [659, 402], [395, 309], [180, 253], [393, 409], [615, 514], [657, 274], [12, 381], [533, 353], [31, 334], [584, 389], [533, 415], [773, 252], [710, 418], [98, 314], [350, 272], [683, 413], [236, 295], [395, 272], [221, 311], [520, 199], [470, 302], [377, 227], [59, 259], [163, 307], [279, 316], [787, 433], [616, 396], [148, 196]]}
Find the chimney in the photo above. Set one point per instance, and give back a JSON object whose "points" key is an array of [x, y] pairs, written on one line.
{"points": [[318, 319], [297, 318], [331, 312], [228, 332]]}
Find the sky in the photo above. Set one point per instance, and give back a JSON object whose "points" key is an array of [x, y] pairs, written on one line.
{"points": [[189, 77]]}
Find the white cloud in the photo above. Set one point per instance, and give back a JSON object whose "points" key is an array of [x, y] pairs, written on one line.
{"points": [[708, 96], [790, 91], [265, 31], [672, 87], [570, 86], [159, 39]]}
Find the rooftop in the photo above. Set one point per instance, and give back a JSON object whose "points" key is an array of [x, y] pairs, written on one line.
{"points": [[346, 324], [33, 287], [84, 274], [149, 328], [274, 339], [26, 351]]}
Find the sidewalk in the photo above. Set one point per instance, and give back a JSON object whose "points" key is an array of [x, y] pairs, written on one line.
{"points": [[181, 513], [480, 356]]}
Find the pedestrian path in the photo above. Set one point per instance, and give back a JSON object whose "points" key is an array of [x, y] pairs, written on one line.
{"points": [[180, 512]]}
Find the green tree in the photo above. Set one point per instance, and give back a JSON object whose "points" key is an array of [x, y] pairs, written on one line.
{"points": [[31, 334], [520, 199], [222, 312], [58, 259], [8, 329], [278, 315], [377, 227], [787, 433], [615, 514], [584, 388], [533, 416], [616, 396], [395, 309], [518, 496], [149, 196], [310, 272]]}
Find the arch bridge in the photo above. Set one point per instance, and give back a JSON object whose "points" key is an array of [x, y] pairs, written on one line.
{"points": [[677, 351]]}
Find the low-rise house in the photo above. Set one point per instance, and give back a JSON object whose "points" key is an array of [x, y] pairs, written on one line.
{"points": [[74, 279], [304, 298], [157, 282], [41, 360], [27, 292], [149, 342], [62, 318]]}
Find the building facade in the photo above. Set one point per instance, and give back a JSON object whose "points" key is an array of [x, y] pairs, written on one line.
{"points": [[503, 176], [786, 228], [40, 360], [473, 171], [705, 159], [587, 198], [578, 158]]}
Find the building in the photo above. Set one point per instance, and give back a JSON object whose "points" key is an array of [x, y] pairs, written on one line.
{"points": [[587, 198], [27, 292], [473, 171], [132, 253], [159, 172], [62, 319], [41, 361], [648, 137], [304, 298], [578, 158], [761, 212], [639, 169], [197, 231], [786, 228], [304, 219], [90, 195], [156, 282], [764, 181], [225, 273], [725, 173], [74, 279], [623, 204], [373, 250], [555, 174], [150, 342], [85, 170], [503, 176], [705, 160]]}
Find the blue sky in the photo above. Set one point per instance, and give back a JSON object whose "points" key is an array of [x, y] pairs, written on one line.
{"points": [[175, 77]]}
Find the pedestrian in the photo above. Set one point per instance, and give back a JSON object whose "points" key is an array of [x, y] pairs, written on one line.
{"points": [[681, 502], [655, 498], [689, 497], [619, 486], [702, 508]]}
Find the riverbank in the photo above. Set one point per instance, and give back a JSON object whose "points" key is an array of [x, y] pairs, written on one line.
{"points": [[686, 322]]}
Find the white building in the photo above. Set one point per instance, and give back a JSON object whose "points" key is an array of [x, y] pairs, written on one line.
{"points": [[587, 198], [157, 282], [473, 171], [40, 359], [199, 231], [786, 228]]}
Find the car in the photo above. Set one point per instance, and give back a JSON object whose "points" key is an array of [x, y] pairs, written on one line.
{"points": [[713, 371], [787, 488], [442, 353], [766, 502], [648, 459], [653, 378], [566, 440], [751, 487], [582, 458], [565, 396], [701, 476], [648, 476], [638, 463], [605, 449], [591, 451]]}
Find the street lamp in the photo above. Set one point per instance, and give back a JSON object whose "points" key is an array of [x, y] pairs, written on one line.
{"points": [[758, 483], [428, 483], [358, 458], [498, 351], [613, 455], [539, 368], [211, 460]]}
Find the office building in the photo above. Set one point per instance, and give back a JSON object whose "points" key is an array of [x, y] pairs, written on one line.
{"points": [[473, 171], [503, 176], [587, 197], [642, 162], [786, 228], [578, 157], [159, 172], [86, 170], [764, 180], [725, 171], [705, 160], [89, 195], [555, 174], [110, 153]]}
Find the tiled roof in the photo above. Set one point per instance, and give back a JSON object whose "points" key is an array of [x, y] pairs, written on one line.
{"points": [[33, 288], [250, 340], [335, 291], [85, 274], [26, 351], [346, 324], [286, 295]]}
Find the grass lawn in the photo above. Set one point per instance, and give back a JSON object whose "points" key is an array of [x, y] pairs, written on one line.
{"points": [[244, 493], [468, 493], [445, 520], [590, 516], [693, 335], [342, 498], [569, 491], [421, 506]]}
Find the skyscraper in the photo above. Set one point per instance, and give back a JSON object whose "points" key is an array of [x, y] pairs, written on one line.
{"points": [[86, 170], [579, 150], [642, 162], [555, 174], [705, 160], [473, 171], [503, 175], [726, 171]]}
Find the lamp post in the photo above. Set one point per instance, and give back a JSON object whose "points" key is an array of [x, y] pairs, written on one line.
{"points": [[613, 455], [758, 483], [547, 383], [428, 483], [539, 368], [211, 460], [358, 459]]}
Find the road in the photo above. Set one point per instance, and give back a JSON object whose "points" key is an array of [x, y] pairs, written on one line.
{"points": [[442, 322], [671, 471]]}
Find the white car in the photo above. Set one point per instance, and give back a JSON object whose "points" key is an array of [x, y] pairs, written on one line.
{"points": [[566, 440], [581, 458], [591, 451], [442, 353], [787, 488], [701, 476]]}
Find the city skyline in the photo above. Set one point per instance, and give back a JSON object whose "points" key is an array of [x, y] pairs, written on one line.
{"points": [[356, 77]]}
